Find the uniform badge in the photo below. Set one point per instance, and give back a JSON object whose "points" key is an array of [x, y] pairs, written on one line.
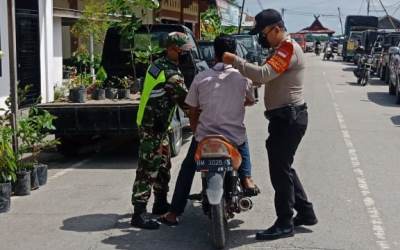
{"points": [[280, 61], [154, 71]]}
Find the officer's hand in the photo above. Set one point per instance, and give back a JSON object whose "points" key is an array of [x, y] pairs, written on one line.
{"points": [[228, 58]]}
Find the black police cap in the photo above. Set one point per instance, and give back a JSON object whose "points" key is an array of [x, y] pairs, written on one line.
{"points": [[265, 18]]}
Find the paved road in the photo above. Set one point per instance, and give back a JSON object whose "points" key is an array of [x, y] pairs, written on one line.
{"points": [[349, 162]]}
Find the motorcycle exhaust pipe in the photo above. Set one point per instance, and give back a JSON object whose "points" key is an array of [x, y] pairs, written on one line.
{"points": [[245, 204]]}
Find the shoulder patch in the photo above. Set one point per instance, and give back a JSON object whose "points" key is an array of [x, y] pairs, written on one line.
{"points": [[280, 61], [154, 71]]}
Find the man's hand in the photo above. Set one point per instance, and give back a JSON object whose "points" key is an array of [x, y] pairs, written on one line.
{"points": [[249, 102], [194, 114], [228, 58]]}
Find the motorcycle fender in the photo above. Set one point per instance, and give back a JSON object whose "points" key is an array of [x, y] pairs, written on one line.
{"points": [[215, 188]]}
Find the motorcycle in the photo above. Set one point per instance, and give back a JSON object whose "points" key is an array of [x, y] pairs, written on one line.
{"points": [[218, 160], [363, 70], [328, 54]]}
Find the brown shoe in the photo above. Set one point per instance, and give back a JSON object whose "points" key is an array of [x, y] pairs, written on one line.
{"points": [[249, 188], [169, 219]]}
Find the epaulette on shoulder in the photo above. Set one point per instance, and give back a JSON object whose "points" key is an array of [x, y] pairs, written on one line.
{"points": [[154, 70]]}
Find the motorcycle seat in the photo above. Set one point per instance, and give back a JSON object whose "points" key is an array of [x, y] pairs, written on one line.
{"points": [[214, 146]]}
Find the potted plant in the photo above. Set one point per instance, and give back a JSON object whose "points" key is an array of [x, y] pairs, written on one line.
{"points": [[8, 167], [43, 122], [22, 185], [27, 134], [77, 92], [124, 91], [34, 132], [99, 93], [80, 78], [20, 176], [111, 91]]}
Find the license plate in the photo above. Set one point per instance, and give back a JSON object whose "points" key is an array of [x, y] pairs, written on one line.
{"points": [[214, 165]]}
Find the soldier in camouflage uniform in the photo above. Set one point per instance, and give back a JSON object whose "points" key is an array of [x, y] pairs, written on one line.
{"points": [[163, 91]]}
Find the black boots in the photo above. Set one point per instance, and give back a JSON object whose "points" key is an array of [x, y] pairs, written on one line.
{"points": [[284, 229], [140, 221], [277, 231], [307, 219], [161, 205]]}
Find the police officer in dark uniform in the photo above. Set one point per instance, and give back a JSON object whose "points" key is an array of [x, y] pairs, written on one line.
{"points": [[286, 110]]}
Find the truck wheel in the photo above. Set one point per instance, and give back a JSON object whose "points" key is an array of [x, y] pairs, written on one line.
{"points": [[67, 147], [175, 144], [397, 91], [387, 75], [392, 90], [382, 73]]}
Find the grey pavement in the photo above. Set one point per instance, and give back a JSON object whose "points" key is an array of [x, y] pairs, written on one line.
{"points": [[349, 163]]}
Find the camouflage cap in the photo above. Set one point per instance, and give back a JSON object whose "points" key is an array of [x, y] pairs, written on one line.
{"points": [[181, 40]]}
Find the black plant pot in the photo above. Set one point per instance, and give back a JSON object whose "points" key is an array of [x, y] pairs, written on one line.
{"points": [[5, 197], [77, 95], [42, 173], [124, 93], [99, 94], [34, 178], [23, 184], [111, 93], [136, 86]]}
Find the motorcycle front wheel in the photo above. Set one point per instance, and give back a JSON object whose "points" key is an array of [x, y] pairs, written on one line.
{"points": [[364, 81], [218, 225]]}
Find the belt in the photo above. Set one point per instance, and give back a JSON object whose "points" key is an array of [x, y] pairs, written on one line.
{"points": [[288, 112]]}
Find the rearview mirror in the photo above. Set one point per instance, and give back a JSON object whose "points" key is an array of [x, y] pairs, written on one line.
{"points": [[394, 50]]}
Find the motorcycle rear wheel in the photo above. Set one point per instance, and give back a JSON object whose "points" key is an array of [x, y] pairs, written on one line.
{"points": [[218, 225]]}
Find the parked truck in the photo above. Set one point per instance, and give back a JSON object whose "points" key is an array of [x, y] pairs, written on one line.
{"points": [[354, 26], [389, 40], [79, 124]]}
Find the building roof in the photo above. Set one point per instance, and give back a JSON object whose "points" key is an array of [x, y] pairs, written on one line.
{"points": [[316, 28], [384, 23]]}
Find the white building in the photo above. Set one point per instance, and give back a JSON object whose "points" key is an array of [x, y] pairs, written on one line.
{"points": [[43, 40], [36, 55]]}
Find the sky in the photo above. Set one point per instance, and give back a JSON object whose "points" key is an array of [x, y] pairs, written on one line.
{"points": [[299, 13]]}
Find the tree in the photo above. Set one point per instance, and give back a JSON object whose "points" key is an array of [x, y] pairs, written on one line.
{"points": [[93, 22], [128, 23], [211, 27], [90, 29]]}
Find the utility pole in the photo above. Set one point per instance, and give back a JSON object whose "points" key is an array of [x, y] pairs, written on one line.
{"points": [[368, 5], [241, 16], [283, 13], [13, 70], [91, 53], [340, 19]]}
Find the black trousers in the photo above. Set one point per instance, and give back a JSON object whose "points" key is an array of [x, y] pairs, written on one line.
{"points": [[284, 137]]}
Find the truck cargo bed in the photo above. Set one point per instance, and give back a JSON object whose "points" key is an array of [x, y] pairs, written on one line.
{"points": [[94, 117]]}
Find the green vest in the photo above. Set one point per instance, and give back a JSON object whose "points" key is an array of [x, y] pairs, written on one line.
{"points": [[151, 80]]}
